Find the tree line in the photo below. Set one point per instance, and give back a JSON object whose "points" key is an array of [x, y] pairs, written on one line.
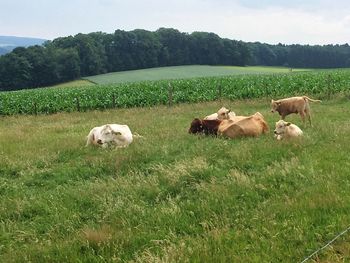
{"points": [[72, 57]]}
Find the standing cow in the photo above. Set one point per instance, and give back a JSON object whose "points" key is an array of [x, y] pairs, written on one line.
{"points": [[298, 105]]}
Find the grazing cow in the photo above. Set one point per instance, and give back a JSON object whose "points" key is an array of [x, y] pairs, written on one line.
{"points": [[286, 130], [110, 134], [253, 126], [293, 105], [222, 114], [208, 127]]}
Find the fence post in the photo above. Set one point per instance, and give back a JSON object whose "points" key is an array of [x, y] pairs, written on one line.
{"points": [[113, 101], [77, 103], [329, 79], [220, 93], [35, 108], [170, 95]]}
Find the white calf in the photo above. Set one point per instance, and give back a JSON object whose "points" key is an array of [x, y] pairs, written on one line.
{"points": [[286, 130]]}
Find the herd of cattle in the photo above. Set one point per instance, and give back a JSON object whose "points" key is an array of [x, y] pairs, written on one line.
{"points": [[223, 123]]}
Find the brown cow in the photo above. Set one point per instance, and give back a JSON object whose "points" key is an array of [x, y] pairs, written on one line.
{"points": [[253, 126], [208, 127], [293, 105]]}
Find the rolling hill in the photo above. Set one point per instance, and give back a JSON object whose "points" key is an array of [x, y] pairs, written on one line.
{"points": [[8, 43], [182, 72]]}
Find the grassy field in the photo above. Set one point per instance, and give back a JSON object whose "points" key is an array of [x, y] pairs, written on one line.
{"points": [[171, 196], [74, 83], [181, 72]]}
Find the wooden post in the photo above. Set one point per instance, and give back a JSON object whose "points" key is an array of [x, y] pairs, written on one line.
{"points": [[220, 93], [113, 101], [35, 108], [329, 79], [77, 103], [170, 95]]}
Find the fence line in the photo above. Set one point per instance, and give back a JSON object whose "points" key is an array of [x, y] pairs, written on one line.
{"points": [[328, 243], [325, 84]]}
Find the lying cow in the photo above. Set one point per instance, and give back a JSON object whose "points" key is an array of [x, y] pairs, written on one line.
{"points": [[238, 126], [222, 114], [286, 130], [208, 127], [110, 134], [252, 126], [293, 105]]}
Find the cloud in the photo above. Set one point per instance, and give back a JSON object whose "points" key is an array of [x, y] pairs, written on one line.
{"points": [[270, 21], [273, 25]]}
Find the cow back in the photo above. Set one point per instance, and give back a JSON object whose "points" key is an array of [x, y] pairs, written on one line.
{"points": [[244, 126]]}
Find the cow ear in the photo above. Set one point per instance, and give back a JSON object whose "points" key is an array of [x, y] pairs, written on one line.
{"points": [[288, 123], [272, 101]]}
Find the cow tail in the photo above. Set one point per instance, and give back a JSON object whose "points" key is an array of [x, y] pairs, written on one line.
{"points": [[307, 98]]}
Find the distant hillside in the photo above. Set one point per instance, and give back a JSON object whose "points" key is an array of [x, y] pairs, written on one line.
{"points": [[182, 72], [7, 43]]}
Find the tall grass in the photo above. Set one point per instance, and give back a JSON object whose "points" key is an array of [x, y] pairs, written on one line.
{"points": [[170, 196]]}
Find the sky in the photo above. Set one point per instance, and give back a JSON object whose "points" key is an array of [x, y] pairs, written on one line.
{"points": [[268, 21]]}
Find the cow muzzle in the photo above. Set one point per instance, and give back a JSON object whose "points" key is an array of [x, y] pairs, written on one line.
{"points": [[277, 133], [99, 141]]}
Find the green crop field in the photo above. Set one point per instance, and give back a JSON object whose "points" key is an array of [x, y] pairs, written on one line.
{"points": [[182, 72], [150, 93], [74, 83], [171, 196]]}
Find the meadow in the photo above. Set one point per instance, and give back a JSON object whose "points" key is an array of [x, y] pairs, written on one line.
{"points": [[183, 72], [171, 196]]}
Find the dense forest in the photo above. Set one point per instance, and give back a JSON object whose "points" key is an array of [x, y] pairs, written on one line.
{"points": [[69, 58]]}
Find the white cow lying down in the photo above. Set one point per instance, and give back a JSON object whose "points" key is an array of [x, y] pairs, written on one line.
{"points": [[286, 130], [110, 134]]}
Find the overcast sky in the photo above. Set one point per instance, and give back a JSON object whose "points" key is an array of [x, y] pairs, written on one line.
{"points": [[269, 21]]}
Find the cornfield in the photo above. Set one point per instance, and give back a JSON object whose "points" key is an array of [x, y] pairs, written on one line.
{"points": [[150, 93]]}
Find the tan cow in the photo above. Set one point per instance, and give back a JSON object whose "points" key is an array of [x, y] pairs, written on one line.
{"points": [[253, 126], [286, 130], [293, 105]]}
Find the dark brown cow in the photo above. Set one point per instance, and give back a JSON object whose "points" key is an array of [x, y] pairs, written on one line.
{"points": [[208, 127]]}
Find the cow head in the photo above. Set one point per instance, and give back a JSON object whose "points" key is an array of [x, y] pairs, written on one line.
{"points": [[223, 114], [275, 105], [107, 135], [280, 128], [196, 126]]}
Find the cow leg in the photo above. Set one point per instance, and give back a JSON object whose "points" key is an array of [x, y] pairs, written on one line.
{"points": [[302, 115], [307, 113], [309, 118]]}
